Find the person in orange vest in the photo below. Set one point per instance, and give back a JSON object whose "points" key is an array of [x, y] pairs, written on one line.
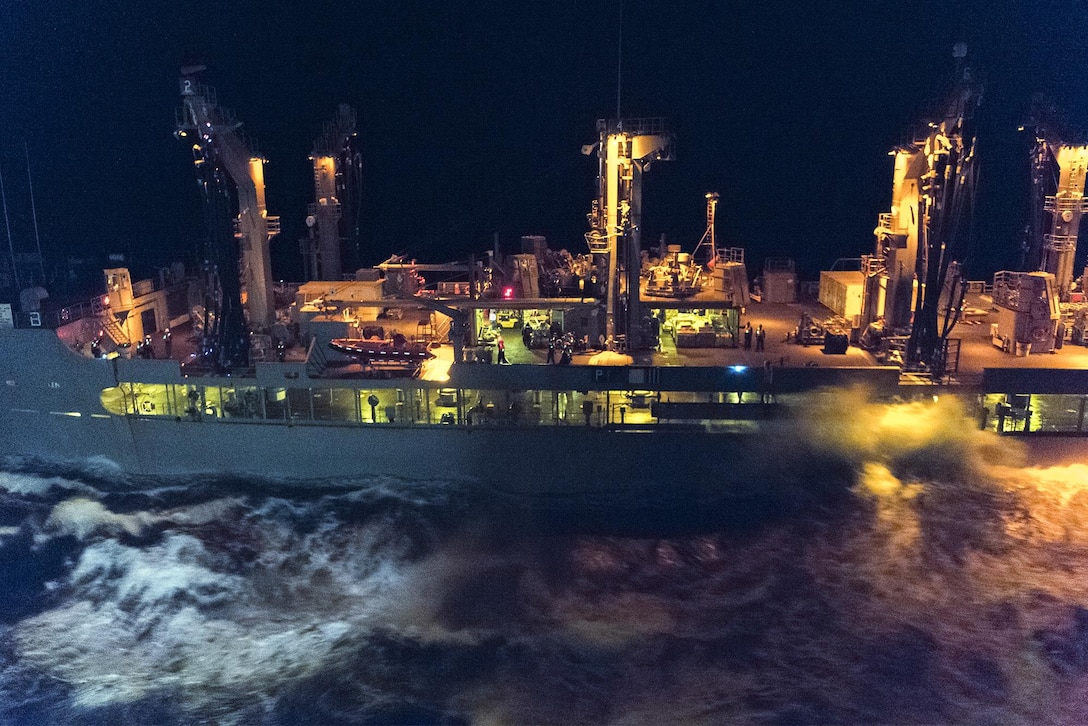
{"points": [[502, 349]]}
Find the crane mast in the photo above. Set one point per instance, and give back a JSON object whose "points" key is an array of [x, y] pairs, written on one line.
{"points": [[921, 242], [1057, 206], [334, 213], [625, 149], [238, 245]]}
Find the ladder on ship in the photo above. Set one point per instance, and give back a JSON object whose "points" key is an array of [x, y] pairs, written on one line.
{"points": [[114, 331]]}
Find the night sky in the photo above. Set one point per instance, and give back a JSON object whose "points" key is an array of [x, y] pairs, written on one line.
{"points": [[472, 115]]}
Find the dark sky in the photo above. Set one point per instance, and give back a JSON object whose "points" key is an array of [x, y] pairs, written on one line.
{"points": [[472, 114]]}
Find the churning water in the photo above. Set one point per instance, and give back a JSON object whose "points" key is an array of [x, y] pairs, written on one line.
{"points": [[948, 584]]}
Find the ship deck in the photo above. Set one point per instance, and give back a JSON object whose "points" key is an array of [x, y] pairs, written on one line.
{"points": [[976, 350]]}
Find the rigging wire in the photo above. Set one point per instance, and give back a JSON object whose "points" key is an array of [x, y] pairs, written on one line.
{"points": [[34, 211], [7, 224]]}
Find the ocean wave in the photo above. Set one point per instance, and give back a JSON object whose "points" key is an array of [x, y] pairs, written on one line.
{"points": [[26, 484], [945, 585]]}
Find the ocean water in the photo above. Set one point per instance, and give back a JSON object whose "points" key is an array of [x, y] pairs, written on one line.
{"points": [[945, 580]]}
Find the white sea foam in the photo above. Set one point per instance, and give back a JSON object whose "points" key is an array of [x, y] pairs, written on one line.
{"points": [[181, 614], [164, 616], [179, 568], [109, 658], [34, 485], [411, 493], [103, 467], [82, 518]]}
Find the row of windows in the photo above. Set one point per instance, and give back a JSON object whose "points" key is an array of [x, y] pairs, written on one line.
{"points": [[419, 406], [1047, 413], [399, 405]]}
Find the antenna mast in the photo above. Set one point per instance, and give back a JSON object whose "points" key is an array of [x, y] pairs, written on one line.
{"points": [[619, 66]]}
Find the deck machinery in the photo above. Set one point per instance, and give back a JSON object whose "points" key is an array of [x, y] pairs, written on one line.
{"points": [[238, 263], [1032, 302]]}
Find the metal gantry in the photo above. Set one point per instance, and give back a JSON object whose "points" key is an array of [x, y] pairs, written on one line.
{"points": [[625, 149], [916, 276], [237, 260]]}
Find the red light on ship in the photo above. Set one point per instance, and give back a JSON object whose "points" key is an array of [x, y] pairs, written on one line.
{"points": [[508, 293]]}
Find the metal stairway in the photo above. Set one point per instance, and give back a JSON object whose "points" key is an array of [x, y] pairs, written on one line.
{"points": [[114, 331]]}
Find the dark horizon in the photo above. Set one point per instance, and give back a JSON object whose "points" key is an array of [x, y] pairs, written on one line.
{"points": [[471, 119]]}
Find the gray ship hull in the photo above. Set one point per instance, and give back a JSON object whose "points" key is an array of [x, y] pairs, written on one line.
{"points": [[51, 409]]}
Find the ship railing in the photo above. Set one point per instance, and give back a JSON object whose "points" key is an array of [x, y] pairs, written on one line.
{"points": [[271, 226], [1064, 204], [884, 223], [1060, 242], [93, 308], [647, 126], [334, 210], [53, 319], [847, 264], [71, 313], [872, 265], [598, 242], [1006, 292], [731, 254]]}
